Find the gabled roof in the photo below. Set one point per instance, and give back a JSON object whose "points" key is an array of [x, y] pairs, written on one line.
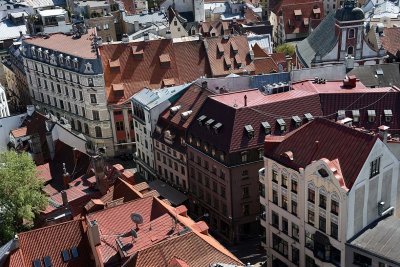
{"points": [[322, 138], [187, 63], [218, 62], [189, 247], [390, 40], [51, 241], [319, 43]]}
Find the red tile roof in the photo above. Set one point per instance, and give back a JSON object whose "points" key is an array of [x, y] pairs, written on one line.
{"points": [[190, 248], [218, 61], [265, 65], [51, 241], [20, 132], [79, 47], [187, 62], [320, 139], [129, 6], [390, 40]]}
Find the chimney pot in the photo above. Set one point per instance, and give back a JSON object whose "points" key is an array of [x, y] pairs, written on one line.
{"points": [[64, 198], [245, 100]]}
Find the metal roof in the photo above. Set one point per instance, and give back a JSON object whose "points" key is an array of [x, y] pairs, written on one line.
{"points": [[8, 30]]}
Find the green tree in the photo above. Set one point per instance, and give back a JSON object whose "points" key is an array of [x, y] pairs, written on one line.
{"points": [[286, 48], [21, 195]]}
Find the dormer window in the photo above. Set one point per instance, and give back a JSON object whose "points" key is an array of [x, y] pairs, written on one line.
{"points": [[228, 62], [202, 119], [209, 123], [356, 115], [296, 121], [220, 49], [371, 115], [308, 116], [317, 12], [297, 14], [61, 58], [46, 54], [282, 125], [234, 47], [68, 61], [244, 156], [238, 61], [249, 130], [217, 127], [76, 65], [39, 52], [88, 68], [165, 60], [341, 114], [33, 51], [266, 126], [388, 115]]}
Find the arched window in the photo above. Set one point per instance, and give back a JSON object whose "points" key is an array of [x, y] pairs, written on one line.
{"points": [[79, 126], [351, 33], [98, 131], [86, 126], [350, 50]]}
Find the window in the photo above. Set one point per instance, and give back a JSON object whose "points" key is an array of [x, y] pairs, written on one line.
{"points": [[65, 255], [284, 202], [83, 112], [90, 82], [350, 50], [334, 230], [98, 132], [371, 115], [285, 225], [96, 115], [334, 207], [361, 260], [284, 180], [105, 26], [294, 186], [274, 176], [47, 261], [322, 224], [295, 231], [294, 207], [119, 125], [86, 128], [223, 191], [74, 252], [80, 96], [93, 99], [322, 201], [280, 245], [311, 195], [375, 164], [262, 190], [295, 255], [275, 219], [246, 209], [244, 156], [245, 192], [309, 240], [311, 217], [275, 197], [351, 33]]}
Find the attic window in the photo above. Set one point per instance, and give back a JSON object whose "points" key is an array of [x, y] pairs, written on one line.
{"points": [[323, 173], [114, 63], [379, 71], [296, 121], [36, 263], [371, 115], [65, 255], [388, 115], [61, 58], [356, 115], [118, 89], [75, 60], [227, 61], [308, 116], [282, 124], [202, 119], [217, 127], [317, 12], [266, 126], [341, 114], [209, 123], [33, 51], [137, 53], [165, 60], [220, 49], [297, 13], [250, 131], [74, 252], [306, 21], [234, 47], [47, 261]]}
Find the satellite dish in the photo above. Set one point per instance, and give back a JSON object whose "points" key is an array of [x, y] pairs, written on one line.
{"points": [[137, 218]]}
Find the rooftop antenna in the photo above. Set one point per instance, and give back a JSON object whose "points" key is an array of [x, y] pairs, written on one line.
{"points": [[137, 219]]}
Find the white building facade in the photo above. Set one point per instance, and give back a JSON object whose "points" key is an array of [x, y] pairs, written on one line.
{"points": [[4, 111]]}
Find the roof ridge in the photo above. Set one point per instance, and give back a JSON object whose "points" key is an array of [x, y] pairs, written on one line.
{"points": [[123, 204], [52, 226]]}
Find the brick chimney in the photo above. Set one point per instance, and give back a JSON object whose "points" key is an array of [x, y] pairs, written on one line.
{"points": [[66, 177], [94, 233], [383, 133], [101, 180]]}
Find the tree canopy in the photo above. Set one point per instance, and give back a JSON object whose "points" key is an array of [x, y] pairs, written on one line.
{"points": [[286, 48], [21, 195]]}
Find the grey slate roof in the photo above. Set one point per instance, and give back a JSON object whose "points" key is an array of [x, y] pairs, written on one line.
{"points": [[174, 196], [369, 77], [381, 239], [8, 30], [320, 42]]}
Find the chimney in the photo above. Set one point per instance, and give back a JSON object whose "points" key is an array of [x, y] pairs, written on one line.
{"points": [[125, 38], [30, 109], [245, 100], [168, 35], [15, 244], [36, 149], [383, 133], [66, 177], [76, 155], [146, 36], [20, 34], [101, 179], [99, 41], [94, 233], [251, 53], [64, 198], [288, 62], [204, 85]]}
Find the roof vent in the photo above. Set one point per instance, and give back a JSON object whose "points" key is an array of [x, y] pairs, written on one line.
{"points": [[186, 114], [218, 127], [308, 116], [266, 126], [296, 121], [282, 124], [209, 123], [202, 119], [125, 38], [175, 109]]}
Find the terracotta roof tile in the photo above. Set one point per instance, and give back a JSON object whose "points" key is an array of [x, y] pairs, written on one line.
{"points": [[189, 248], [265, 65], [351, 147], [51, 241], [140, 66], [20, 132], [390, 40], [218, 61], [79, 47]]}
